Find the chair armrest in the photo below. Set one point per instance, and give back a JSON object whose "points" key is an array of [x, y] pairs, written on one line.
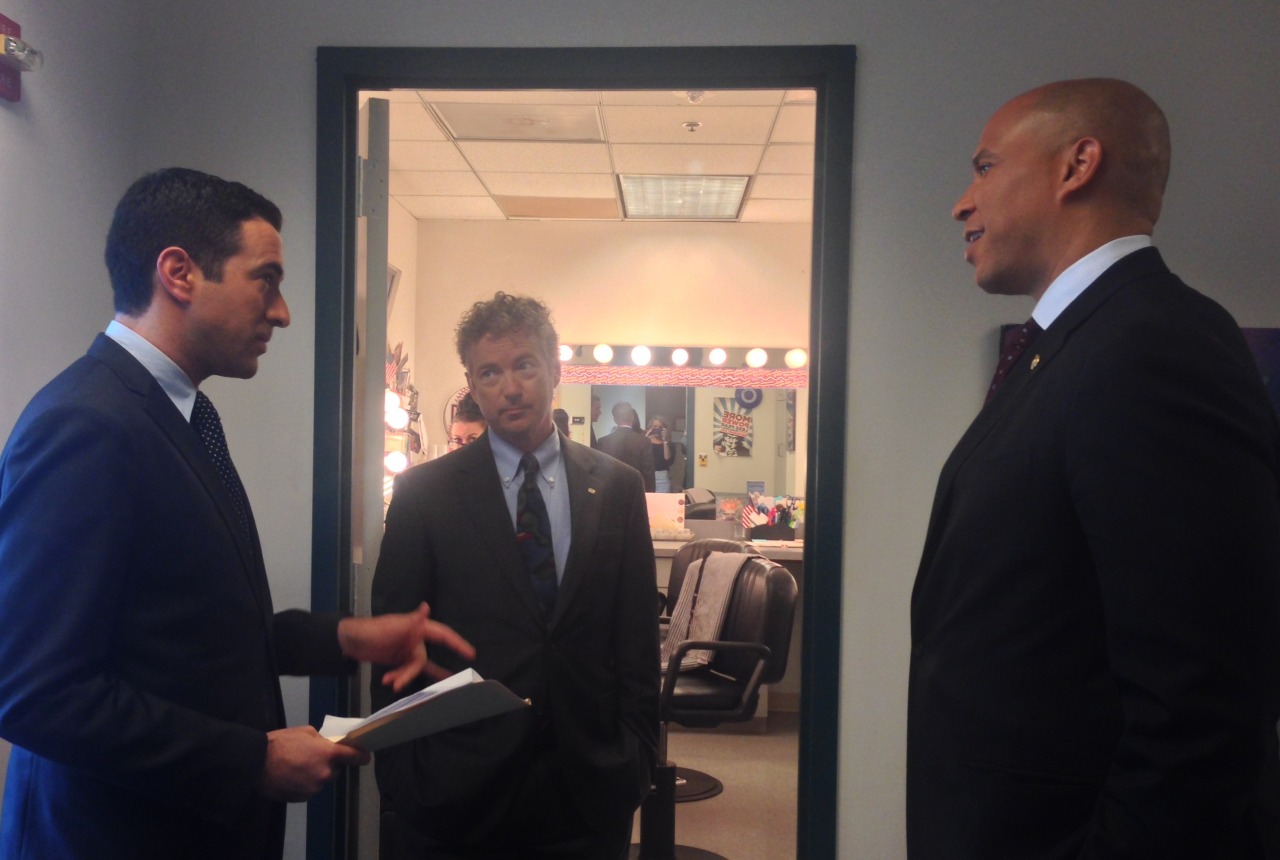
{"points": [[749, 691]]}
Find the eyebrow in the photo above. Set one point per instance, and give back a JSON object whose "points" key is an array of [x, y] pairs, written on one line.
{"points": [[981, 156]]}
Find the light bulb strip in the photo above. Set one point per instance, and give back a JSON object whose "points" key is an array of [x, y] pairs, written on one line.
{"points": [[684, 377]]}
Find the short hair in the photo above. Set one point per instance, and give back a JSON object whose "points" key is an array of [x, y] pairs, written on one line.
{"points": [[504, 314], [467, 410], [622, 411], [199, 213]]}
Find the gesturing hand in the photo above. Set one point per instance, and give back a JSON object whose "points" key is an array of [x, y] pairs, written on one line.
{"points": [[300, 762]]}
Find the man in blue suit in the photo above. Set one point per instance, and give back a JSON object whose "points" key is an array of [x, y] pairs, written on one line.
{"points": [[1095, 665], [139, 651]]}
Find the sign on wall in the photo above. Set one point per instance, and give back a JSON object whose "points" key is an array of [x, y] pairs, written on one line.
{"points": [[732, 431]]}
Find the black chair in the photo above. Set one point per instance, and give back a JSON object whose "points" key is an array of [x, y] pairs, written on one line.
{"points": [[694, 550], [752, 650]]}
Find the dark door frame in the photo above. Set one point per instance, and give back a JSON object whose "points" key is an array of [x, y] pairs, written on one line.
{"points": [[829, 69]]}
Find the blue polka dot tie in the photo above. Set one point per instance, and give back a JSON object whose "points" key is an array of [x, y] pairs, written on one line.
{"points": [[533, 534], [205, 420], [1010, 354]]}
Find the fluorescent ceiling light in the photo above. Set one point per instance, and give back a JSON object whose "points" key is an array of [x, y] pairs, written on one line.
{"points": [[685, 198]]}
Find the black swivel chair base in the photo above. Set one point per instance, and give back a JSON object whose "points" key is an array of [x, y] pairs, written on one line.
{"points": [[695, 785], [658, 824]]}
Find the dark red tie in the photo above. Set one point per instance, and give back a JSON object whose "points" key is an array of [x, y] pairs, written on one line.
{"points": [[1011, 352]]}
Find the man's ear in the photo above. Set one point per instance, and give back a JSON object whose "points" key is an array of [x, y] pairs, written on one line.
{"points": [[1079, 166], [176, 273]]}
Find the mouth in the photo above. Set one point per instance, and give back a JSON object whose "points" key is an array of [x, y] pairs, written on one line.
{"points": [[971, 236]]}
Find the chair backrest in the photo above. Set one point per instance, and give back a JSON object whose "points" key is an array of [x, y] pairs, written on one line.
{"points": [[696, 550], [761, 609]]}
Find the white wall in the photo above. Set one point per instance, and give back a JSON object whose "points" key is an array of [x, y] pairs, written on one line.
{"points": [[230, 87]]}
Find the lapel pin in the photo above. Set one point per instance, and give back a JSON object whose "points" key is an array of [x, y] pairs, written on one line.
{"points": [[591, 490], [1035, 362]]}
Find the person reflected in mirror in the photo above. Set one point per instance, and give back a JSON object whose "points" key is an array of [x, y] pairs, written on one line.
{"points": [[627, 443], [595, 416], [468, 423], [659, 436], [561, 419]]}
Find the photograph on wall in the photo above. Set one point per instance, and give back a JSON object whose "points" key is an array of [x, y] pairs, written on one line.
{"points": [[731, 432]]}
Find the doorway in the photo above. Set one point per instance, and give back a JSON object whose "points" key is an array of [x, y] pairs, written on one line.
{"points": [[828, 70]]}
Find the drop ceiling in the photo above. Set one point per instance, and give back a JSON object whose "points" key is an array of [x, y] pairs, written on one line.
{"points": [[539, 154]]}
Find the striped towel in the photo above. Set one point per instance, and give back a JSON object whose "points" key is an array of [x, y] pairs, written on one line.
{"points": [[700, 608]]}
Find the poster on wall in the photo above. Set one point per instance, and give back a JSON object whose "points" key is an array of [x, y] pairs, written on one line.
{"points": [[731, 432]]}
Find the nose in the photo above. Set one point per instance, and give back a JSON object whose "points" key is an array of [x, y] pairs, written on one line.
{"points": [[278, 313], [963, 207]]}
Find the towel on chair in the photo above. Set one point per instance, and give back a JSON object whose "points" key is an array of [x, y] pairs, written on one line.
{"points": [[700, 607]]}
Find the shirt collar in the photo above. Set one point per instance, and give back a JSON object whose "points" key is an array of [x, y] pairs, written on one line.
{"points": [[172, 379], [1068, 286], [507, 457]]}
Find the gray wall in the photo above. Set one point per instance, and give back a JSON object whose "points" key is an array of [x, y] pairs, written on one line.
{"points": [[229, 87]]}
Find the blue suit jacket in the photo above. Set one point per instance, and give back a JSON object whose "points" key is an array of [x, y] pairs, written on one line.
{"points": [[139, 655]]}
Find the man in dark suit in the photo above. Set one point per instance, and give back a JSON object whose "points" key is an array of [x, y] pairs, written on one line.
{"points": [[140, 653], [628, 444], [1096, 618], [574, 631]]}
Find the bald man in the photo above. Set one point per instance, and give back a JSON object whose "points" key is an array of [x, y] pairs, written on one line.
{"points": [[1096, 617]]}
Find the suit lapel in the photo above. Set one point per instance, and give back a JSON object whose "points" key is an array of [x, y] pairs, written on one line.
{"points": [[586, 498], [186, 443], [1038, 358], [479, 487]]}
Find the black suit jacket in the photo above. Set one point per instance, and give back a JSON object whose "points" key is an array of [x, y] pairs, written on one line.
{"points": [[139, 655], [591, 672], [634, 449], [1095, 620]]}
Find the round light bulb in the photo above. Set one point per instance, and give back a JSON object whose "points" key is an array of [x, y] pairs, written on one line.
{"points": [[397, 419], [680, 356], [566, 352], [390, 400], [796, 358], [757, 357], [396, 462], [640, 355], [603, 353], [718, 356]]}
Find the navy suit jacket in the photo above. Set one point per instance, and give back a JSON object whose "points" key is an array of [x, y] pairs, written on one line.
{"points": [[1096, 618], [632, 448], [591, 671], [139, 654]]}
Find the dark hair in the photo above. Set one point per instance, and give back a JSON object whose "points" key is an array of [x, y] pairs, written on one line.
{"points": [[504, 314], [561, 419], [467, 410], [199, 213]]}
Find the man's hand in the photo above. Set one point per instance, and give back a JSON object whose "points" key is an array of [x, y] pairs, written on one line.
{"points": [[398, 640], [300, 762]]}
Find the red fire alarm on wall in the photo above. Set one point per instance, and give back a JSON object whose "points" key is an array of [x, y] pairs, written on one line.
{"points": [[16, 57]]}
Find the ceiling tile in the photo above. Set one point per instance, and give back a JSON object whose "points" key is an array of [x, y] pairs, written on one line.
{"points": [[551, 184], [777, 210], [516, 97], [444, 183], [590, 209], [788, 158], [512, 157], [667, 124], [779, 186], [412, 121], [426, 155], [709, 98], [691, 158], [795, 124], [452, 208], [480, 121]]}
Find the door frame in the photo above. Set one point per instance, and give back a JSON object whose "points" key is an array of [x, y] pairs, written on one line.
{"points": [[829, 69]]}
